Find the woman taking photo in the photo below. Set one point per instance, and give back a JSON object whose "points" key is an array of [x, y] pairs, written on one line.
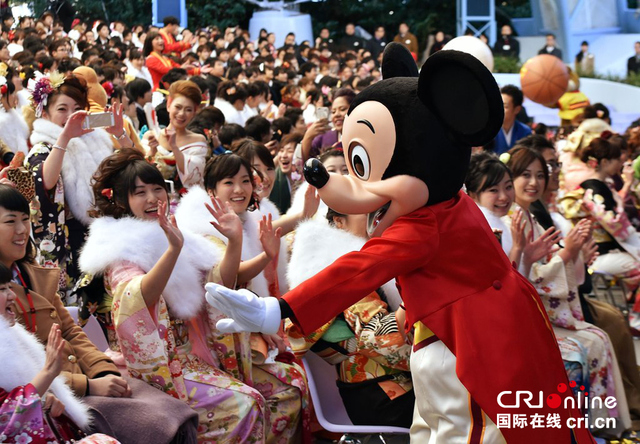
{"points": [[63, 159]]}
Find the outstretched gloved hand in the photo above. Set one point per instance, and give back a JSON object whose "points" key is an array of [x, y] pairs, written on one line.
{"points": [[248, 311]]}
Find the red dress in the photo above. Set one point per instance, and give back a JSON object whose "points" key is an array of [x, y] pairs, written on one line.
{"points": [[454, 277], [159, 65]]}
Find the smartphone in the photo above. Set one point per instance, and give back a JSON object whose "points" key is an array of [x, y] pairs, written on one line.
{"points": [[98, 120], [322, 112]]}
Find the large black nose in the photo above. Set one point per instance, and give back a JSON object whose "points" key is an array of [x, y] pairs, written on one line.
{"points": [[315, 173]]}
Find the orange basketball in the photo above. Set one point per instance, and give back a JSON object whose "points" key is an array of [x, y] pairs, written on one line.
{"points": [[544, 79]]}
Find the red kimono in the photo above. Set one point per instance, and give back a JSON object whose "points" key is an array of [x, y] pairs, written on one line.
{"points": [[454, 277]]}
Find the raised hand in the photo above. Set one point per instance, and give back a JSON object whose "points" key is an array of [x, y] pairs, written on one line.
{"points": [[541, 247], [117, 109], [311, 202], [170, 227], [269, 238], [53, 351], [590, 251], [73, 128], [226, 221], [517, 230]]}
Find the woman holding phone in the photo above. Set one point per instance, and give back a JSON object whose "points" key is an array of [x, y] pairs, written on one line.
{"points": [[64, 156]]}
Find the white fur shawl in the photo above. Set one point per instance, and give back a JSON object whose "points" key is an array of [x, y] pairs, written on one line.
{"points": [[317, 245], [14, 131], [22, 357], [297, 204], [194, 216], [141, 242], [81, 161]]}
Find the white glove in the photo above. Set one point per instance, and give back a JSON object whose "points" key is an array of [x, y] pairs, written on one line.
{"points": [[248, 311]]}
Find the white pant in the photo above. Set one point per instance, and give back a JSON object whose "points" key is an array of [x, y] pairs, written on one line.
{"points": [[444, 412]]}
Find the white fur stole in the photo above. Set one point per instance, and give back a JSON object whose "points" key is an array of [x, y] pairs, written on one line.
{"points": [[317, 245], [194, 216], [141, 242], [14, 131], [22, 357], [81, 161]]}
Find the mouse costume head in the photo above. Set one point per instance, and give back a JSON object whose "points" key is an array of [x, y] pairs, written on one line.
{"points": [[407, 139]]}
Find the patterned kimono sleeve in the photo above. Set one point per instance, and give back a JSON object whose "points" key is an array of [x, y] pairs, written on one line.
{"points": [[377, 333], [21, 416], [301, 344], [47, 211], [602, 206], [195, 159], [145, 335], [570, 205]]}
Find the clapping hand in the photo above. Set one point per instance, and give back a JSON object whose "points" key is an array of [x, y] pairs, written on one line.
{"points": [[269, 238]]}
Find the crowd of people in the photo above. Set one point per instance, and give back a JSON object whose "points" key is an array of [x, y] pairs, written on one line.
{"points": [[196, 177]]}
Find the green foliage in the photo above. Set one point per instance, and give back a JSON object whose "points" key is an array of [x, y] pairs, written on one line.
{"points": [[221, 13], [516, 8], [632, 79], [128, 11], [506, 64]]}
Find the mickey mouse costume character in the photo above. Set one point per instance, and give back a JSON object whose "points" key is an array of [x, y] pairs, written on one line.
{"points": [[481, 328]]}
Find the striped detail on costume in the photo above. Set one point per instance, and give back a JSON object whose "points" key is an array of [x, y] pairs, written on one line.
{"points": [[476, 432], [423, 336]]}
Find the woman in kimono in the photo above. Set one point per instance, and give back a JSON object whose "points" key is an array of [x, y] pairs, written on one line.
{"points": [[182, 153], [554, 278], [14, 133], [618, 242], [63, 158], [255, 259], [154, 274], [36, 406], [125, 408], [367, 341]]}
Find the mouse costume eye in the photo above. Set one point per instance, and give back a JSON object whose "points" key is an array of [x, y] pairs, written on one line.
{"points": [[359, 159]]}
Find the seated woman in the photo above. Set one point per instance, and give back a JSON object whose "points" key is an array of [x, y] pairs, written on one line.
{"points": [[182, 153], [35, 404], [367, 340], [618, 242], [124, 408], [262, 163], [63, 159], [154, 274], [256, 259], [554, 278]]}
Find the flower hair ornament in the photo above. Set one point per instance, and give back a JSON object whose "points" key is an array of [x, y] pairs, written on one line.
{"points": [[41, 87], [505, 158], [592, 162], [108, 193]]}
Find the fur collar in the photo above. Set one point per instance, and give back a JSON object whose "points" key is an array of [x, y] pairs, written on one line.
{"points": [[81, 161], [317, 245], [112, 241], [297, 204], [14, 131], [22, 357], [498, 223], [194, 216]]}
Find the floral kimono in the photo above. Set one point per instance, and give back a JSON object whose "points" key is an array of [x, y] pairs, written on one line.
{"points": [[174, 345], [364, 341], [59, 216], [556, 284], [283, 385], [22, 416], [618, 242]]}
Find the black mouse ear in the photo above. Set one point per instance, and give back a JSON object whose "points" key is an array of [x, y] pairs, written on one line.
{"points": [[461, 91], [397, 61]]}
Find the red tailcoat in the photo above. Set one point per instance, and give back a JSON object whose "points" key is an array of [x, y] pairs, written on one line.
{"points": [[455, 278]]}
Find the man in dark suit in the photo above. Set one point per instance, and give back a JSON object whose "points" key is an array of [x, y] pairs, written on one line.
{"points": [[551, 47], [512, 130], [350, 39], [507, 45], [633, 64], [377, 43]]}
